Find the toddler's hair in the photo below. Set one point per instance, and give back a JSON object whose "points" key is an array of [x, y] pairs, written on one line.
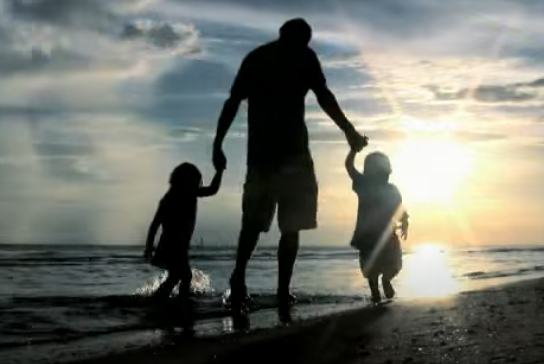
{"points": [[186, 174], [377, 164]]}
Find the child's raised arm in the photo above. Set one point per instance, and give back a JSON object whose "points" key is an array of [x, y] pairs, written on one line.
{"points": [[157, 220], [350, 166], [213, 187]]}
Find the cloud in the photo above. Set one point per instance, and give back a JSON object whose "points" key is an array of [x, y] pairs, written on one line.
{"points": [[63, 176], [161, 35], [515, 92], [65, 35], [51, 60]]}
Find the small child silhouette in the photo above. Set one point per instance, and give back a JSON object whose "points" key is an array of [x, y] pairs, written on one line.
{"points": [[379, 213], [176, 215]]}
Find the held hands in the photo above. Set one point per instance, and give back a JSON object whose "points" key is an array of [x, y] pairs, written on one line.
{"points": [[355, 140], [219, 159]]}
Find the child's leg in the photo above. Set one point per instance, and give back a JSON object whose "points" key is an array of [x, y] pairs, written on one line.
{"points": [[168, 285], [388, 289], [387, 277], [186, 277], [372, 278], [392, 268], [374, 289]]}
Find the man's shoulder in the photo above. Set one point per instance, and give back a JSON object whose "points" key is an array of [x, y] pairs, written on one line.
{"points": [[263, 50], [311, 52], [270, 49]]}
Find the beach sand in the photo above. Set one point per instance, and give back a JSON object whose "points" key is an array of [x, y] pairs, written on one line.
{"points": [[499, 325]]}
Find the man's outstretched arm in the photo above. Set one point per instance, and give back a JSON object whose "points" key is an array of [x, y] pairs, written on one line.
{"points": [[238, 92], [228, 113], [328, 103]]}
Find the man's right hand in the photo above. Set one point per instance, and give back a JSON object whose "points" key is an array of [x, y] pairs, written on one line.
{"points": [[356, 141], [219, 159]]}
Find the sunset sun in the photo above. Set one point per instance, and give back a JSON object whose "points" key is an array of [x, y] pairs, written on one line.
{"points": [[431, 169]]}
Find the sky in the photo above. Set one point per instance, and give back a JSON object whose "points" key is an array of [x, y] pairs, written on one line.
{"points": [[100, 100]]}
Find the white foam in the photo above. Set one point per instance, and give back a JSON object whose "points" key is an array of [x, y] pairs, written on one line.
{"points": [[200, 284]]}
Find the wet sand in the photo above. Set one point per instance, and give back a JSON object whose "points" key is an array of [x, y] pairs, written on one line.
{"points": [[499, 325]]}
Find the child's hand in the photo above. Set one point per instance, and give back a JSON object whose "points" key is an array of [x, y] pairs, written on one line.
{"points": [[404, 226], [404, 232]]}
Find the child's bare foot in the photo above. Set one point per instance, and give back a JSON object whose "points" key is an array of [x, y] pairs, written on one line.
{"points": [[374, 290], [388, 289], [376, 298]]}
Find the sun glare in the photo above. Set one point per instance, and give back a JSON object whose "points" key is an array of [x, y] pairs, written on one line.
{"points": [[431, 169], [427, 273]]}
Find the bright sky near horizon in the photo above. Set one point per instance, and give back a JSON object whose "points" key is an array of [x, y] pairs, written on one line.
{"points": [[99, 100]]}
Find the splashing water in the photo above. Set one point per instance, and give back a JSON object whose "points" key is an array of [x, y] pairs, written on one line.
{"points": [[200, 284], [151, 285]]}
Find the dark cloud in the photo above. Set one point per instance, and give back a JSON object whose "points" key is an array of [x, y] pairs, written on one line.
{"points": [[514, 92], [132, 31], [161, 35], [164, 36]]}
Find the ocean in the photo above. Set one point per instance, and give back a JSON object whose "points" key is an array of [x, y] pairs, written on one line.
{"points": [[58, 300]]}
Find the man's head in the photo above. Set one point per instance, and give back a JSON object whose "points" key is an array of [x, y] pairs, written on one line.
{"points": [[296, 33]]}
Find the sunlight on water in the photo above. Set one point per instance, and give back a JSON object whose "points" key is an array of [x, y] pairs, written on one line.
{"points": [[426, 273], [200, 284]]}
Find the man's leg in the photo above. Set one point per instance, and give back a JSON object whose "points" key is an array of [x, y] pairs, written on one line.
{"points": [[246, 244], [287, 255], [165, 289], [297, 210], [258, 206]]}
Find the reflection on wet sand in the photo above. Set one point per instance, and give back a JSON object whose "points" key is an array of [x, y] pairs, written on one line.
{"points": [[427, 274]]}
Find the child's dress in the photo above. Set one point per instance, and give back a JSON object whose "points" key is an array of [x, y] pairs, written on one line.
{"points": [[178, 212], [380, 207]]}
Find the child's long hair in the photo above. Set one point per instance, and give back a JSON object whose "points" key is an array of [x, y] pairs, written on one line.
{"points": [[377, 166], [186, 176]]}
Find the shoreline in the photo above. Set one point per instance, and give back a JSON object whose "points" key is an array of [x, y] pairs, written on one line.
{"points": [[501, 324]]}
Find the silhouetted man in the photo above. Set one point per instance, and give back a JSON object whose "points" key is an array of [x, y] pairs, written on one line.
{"points": [[275, 79]]}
